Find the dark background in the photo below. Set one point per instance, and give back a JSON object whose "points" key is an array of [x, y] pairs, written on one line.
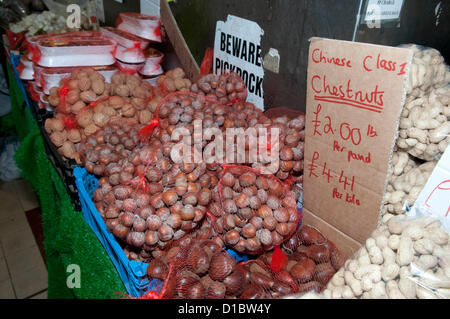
{"points": [[288, 24]]}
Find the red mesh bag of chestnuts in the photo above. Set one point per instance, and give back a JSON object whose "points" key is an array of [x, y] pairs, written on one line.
{"points": [[201, 269], [227, 88], [254, 212], [182, 108], [106, 151], [309, 260]]}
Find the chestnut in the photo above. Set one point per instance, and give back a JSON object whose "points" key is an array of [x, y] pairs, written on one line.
{"points": [[221, 265], [232, 237], [157, 269], [303, 270], [165, 232]]}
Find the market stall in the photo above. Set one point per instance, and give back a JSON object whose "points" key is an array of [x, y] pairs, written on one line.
{"points": [[145, 183]]}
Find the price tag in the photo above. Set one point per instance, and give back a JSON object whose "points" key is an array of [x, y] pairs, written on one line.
{"points": [[237, 47], [355, 94], [434, 199]]}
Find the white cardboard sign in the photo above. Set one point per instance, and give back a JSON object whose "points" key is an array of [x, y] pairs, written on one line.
{"points": [[237, 47], [434, 200], [383, 10]]}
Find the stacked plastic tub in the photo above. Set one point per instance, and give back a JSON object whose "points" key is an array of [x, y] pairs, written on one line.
{"points": [[135, 33], [49, 58]]}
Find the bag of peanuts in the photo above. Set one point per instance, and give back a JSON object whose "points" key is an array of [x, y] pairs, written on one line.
{"points": [[425, 120], [407, 258], [253, 212]]}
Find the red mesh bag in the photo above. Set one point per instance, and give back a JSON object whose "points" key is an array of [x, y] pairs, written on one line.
{"points": [[310, 260], [290, 148], [81, 88], [255, 212], [106, 152], [142, 186], [197, 269], [207, 63], [227, 88], [264, 283]]}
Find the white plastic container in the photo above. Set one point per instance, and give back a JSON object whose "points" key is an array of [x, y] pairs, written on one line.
{"points": [[129, 55], [124, 38], [129, 68], [142, 25], [152, 80], [152, 64], [75, 52], [25, 69], [52, 76], [32, 40], [153, 70], [38, 74], [107, 71]]}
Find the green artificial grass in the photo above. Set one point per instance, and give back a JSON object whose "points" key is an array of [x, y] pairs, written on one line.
{"points": [[68, 238]]}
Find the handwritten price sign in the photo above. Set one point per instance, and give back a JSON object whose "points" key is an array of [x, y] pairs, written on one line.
{"points": [[354, 100]]}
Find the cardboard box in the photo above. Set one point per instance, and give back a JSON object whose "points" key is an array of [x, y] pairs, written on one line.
{"points": [[355, 95]]}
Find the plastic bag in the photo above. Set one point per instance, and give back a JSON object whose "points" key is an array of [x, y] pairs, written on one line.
{"points": [[8, 147], [407, 258], [424, 128], [142, 25], [255, 212], [65, 134]]}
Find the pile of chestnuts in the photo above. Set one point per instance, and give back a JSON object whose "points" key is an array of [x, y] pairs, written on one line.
{"points": [[255, 212], [312, 260], [226, 88]]}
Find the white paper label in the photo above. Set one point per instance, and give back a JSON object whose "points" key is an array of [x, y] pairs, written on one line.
{"points": [[237, 47], [150, 7], [434, 200], [100, 10], [383, 10]]}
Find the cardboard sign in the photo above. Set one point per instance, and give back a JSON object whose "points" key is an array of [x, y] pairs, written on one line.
{"points": [[355, 94], [237, 47], [434, 200]]}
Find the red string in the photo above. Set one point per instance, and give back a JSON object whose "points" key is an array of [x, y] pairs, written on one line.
{"points": [[147, 131], [157, 31], [206, 66], [19, 68], [37, 54], [136, 45]]}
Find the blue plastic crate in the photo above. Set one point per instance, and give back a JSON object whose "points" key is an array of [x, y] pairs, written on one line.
{"points": [[15, 61], [132, 273]]}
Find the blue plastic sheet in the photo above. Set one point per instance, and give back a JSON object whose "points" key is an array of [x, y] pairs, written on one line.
{"points": [[15, 61], [132, 273]]}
